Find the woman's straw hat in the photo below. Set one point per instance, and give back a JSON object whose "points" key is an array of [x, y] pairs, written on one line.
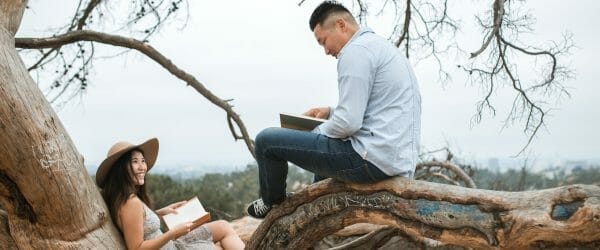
{"points": [[150, 148]]}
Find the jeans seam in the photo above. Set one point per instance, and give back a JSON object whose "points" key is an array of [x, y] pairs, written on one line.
{"points": [[368, 170]]}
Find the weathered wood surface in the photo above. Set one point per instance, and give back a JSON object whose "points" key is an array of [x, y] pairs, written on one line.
{"points": [[433, 214], [245, 226], [6, 241]]}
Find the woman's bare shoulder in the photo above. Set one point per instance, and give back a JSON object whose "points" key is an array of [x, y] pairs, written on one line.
{"points": [[133, 204], [131, 209]]}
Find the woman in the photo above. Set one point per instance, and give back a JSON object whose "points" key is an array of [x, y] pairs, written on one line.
{"points": [[122, 179]]}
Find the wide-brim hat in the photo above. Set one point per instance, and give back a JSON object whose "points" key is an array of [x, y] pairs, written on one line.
{"points": [[149, 147]]}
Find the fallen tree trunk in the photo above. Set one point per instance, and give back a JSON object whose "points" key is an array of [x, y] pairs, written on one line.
{"points": [[432, 214]]}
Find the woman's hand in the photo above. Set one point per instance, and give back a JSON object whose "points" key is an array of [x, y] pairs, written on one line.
{"points": [[170, 208], [180, 230]]}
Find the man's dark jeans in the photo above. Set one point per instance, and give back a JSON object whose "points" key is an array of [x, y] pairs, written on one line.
{"points": [[319, 154]]}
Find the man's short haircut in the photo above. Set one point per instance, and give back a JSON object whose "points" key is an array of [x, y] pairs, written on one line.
{"points": [[324, 10]]}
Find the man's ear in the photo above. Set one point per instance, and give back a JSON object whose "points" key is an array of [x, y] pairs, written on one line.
{"points": [[341, 23]]}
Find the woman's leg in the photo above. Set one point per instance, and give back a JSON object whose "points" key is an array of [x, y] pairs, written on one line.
{"points": [[223, 233]]}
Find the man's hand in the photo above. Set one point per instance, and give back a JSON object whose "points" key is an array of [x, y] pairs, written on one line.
{"points": [[320, 112], [170, 208]]}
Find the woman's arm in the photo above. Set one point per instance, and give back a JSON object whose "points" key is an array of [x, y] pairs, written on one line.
{"points": [[131, 215]]}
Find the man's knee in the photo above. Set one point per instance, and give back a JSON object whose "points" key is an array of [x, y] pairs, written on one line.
{"points": [[265, 136]]}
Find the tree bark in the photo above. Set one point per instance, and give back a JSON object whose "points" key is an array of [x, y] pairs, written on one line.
{"points": [[49, 199], [5, 238], [433, 214]]}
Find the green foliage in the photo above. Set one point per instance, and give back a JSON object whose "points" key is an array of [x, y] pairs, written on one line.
{"points": [[164, 190], [224, 195]]}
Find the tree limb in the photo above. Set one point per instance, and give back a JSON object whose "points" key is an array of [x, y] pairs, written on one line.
{"points": [[86, 13], [367, 241], [405, 29], [498, 15], [453, 168], [146, 49], [72, 64]]}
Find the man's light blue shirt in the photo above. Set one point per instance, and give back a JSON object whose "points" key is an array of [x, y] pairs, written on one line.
{"points": [[379, 108]]}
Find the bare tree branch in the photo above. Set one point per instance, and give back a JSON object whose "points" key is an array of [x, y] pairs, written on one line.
{"points": [[446, 178], [86, 13], [368, 240], [528, 105], [72, 64], [146, 49], [448, 170], [498, 14], [301, 2], [43, 58], [405, 30], [453, 168], [78, 22], [148, 8]]}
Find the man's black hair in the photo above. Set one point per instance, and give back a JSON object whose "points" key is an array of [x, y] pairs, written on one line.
{"points": [[323, 11]]}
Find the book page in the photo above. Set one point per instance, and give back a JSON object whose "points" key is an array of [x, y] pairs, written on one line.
{"points": [[189, 212]]}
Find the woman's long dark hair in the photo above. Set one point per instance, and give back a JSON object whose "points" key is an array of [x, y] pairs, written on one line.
{"points": [[119, 186]]}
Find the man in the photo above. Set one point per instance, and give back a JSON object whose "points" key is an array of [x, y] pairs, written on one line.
{"points": [[374, 131]]}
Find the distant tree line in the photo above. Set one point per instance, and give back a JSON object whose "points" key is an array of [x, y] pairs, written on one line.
{"points": [[225, 195], [523, 179]]}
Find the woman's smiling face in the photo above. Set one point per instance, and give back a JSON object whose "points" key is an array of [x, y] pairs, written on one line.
{"points": [[138, 167]]}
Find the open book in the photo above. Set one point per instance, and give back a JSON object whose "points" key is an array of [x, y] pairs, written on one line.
{"points": [[299, 122], [191, 211]]}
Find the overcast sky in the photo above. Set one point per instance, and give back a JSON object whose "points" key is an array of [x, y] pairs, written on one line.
{"points": [[262, 54]]}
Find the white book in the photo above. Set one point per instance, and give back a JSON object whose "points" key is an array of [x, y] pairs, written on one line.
{"points": [[191, 211]]}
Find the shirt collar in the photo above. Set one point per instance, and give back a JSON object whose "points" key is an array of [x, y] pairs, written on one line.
{"points": [[358, 33]]}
